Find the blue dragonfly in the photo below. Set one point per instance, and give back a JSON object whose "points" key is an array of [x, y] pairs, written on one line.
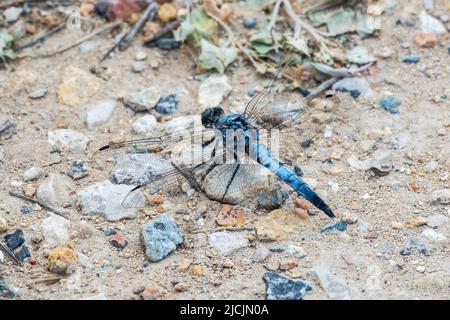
{"points": [[231, 147]]}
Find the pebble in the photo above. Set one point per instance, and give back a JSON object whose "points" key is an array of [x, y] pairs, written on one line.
{"points": [[437, 220], [277, 225], [197, 271], [110, 231], [38, 93], [138, 66], [433, 236], [3, 224], [55, 230], [99, 113], [420, 269], [181, 123], [355, 86], [430, 166], [77, 87], [296, 251], [411, 58], [430, 24], [338, 226], [181, 287], [279, 287], [249, 23], [151, 293], [14, 240], [32, 174], [6, 292], [160, 237], [140, 56], [413, 246], [416, 222], [68, 138], [167, 104], [62, 261], [230, 217], [56, 190], [184, 264], [12, 14], [261, 254], [23, 253], [168, 44], [146, 125], [142, 100], [118, 241], [106, 198], [213, 90], [2, 257], [335, 287], [273, 199], [441, 196], [226, 243], [78, 170], [287, 264], [390, 104], [138, 169], [425, 40]]}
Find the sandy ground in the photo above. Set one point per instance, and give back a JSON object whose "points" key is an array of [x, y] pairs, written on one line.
{"points": [[367, 260]]}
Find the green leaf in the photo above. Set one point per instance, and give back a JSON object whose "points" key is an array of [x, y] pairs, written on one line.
{"points": [[318, 18], [299, 44], [366, 25], [341, 21], [217, 58], [196, 26]]}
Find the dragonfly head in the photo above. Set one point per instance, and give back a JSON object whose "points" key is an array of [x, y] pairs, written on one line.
{"points": [[211, 116]]}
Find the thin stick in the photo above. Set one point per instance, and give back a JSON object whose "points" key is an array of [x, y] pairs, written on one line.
{"points": [[145, 16], [10, 254], [5, 126], [83, 39], [165, 30], [223, 229], [41, 37], [43, 205], [323, 86]]}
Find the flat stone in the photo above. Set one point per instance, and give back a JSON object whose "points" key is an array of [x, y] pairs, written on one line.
{"points": [[38, 93], [213, 90], [77, 87], [143, 100], [277, 225], [413, 246], [226, 243], [279, 287], [32, 174], [160, 237], [146, 125], [335, 287], [433, 236], [437, 220], [55, 230], [68, 138], [106, 199], [56, 190], [430, 24], [441, 196], [99, 113], [14, 240], [12, 14], [425, 40]]}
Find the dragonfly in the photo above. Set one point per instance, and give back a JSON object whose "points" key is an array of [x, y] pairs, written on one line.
{"points": [[228, 149]]}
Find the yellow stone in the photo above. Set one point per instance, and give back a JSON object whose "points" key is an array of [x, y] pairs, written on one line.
{"points": [[197, 270], [62, 260], [416, 222], [167, 12], [3, 224], [77, 87], [277, 225]]}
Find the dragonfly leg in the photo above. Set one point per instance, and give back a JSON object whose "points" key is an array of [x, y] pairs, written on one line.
{"points": [[230, 182]]}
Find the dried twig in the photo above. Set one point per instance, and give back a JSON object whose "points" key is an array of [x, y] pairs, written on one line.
{"points": [[323, 86], [83, 39], [125, 40], [41, 38], [5, 126], [223, 229], [43, 205], [165, 30], [10, 254]]}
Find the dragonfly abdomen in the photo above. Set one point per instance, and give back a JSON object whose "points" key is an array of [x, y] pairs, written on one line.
{"points": [[265, 158]]}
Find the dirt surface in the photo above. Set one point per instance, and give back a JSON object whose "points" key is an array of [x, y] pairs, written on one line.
{"points": [[365, 256]]}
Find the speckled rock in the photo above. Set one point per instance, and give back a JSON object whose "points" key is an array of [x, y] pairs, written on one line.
{"points": [[55, 230], [226, 243], [56, 190], [62, 261], [106, 199], [68, 138], [441, 196], [213, 90], [160, 237], [279, 287], [99, 113], [32, 173], [277, 225]]}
